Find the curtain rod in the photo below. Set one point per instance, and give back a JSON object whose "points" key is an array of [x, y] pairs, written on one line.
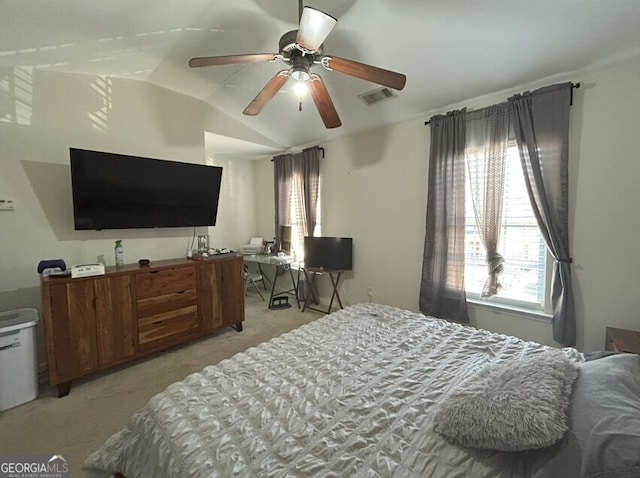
{"points": [[573, 86], [319, 147]]}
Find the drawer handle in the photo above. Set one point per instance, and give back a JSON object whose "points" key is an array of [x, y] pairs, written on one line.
{"points": [[156, 322], [181, 292]]}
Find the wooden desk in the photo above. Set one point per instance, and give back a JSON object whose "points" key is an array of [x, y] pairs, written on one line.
{"points": [[622, 340]]}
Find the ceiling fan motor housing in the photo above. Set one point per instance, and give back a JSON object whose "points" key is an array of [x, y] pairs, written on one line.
{"points": [[288, 43], [288, 48]]}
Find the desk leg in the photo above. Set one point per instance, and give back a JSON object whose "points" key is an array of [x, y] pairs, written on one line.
{"points": [[312, 287], [334, 283], [264, 276], [295, 286], [273, 286], [309, 284]]}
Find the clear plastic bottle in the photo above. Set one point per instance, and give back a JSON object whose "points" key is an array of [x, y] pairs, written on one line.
{"points": [[119, 254]]}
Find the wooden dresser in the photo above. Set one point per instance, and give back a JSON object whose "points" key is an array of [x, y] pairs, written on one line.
{"points": [[94, 323], [622, 340]]}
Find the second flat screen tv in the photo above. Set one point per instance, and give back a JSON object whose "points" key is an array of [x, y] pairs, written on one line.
{"points": [[115, 191], [328, 253]]}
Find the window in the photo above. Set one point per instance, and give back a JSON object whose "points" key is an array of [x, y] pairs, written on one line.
{"points": [[524, 280], [297, 219]]}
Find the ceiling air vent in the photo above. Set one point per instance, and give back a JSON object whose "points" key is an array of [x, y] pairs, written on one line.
{"points": [[377, 95]]}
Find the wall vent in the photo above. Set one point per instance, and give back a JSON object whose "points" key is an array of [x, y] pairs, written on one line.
{"points": [[377, 95]]}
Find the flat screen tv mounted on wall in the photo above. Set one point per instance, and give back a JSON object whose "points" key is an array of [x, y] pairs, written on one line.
{"points": [[328, 253], [116, 191]]}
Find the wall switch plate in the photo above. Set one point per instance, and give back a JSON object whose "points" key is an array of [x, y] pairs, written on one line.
{"points": [[7, 205]]}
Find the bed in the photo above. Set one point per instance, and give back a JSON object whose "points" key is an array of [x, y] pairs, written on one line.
{"points": [[376, 391]]}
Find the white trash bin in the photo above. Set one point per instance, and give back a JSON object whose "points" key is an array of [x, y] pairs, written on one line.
{"points": [[18, 357]]}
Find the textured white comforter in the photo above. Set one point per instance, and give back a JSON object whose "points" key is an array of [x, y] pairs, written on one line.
{"points": [[351, 394]]}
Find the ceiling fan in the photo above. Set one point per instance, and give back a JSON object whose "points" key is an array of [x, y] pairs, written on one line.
{"points": [[301, 49]]}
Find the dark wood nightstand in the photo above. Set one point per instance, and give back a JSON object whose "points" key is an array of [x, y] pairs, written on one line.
{"points": [[621, 340]]}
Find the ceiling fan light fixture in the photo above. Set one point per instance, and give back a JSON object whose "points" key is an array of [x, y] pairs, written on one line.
{"points": [[300, 74], [300, 88], [300, 69]]}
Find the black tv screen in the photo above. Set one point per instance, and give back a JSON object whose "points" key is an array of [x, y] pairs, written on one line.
{"points": [[116, 191], [328, 253]]}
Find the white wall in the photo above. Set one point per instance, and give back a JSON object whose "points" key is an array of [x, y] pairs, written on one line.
{"points": [[604, 174], [236, 215], [42, 114], [374, 190], [264, 199]]}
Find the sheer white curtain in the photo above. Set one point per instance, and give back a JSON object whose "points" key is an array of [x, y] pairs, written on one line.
{"points": [[486, 145]]}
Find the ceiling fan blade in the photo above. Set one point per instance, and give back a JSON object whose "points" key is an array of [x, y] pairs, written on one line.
{"points": [[323, 102], [268, 92], [231, 59], [314, 28], [366, 72]]}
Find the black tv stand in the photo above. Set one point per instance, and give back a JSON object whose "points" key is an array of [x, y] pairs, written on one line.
{"points": [[310, 275]]}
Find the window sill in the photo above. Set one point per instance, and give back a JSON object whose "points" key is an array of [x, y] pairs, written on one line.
{"points": [[522, 312]]}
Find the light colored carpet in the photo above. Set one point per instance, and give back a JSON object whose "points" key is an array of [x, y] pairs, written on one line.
{"points": [[99, 406]]}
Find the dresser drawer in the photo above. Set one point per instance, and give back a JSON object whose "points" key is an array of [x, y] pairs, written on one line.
{"points": [[155, 328], [165, 281], [166, 306], [166, 302]]}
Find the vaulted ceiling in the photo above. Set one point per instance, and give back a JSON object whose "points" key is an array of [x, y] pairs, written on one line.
{"points": [[449, 50]]}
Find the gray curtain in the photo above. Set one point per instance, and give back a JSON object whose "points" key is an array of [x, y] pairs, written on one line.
{"points": [[486, 145], [282, 174], [310, 173], [302, 171], [541, 126], [442, 291]]}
